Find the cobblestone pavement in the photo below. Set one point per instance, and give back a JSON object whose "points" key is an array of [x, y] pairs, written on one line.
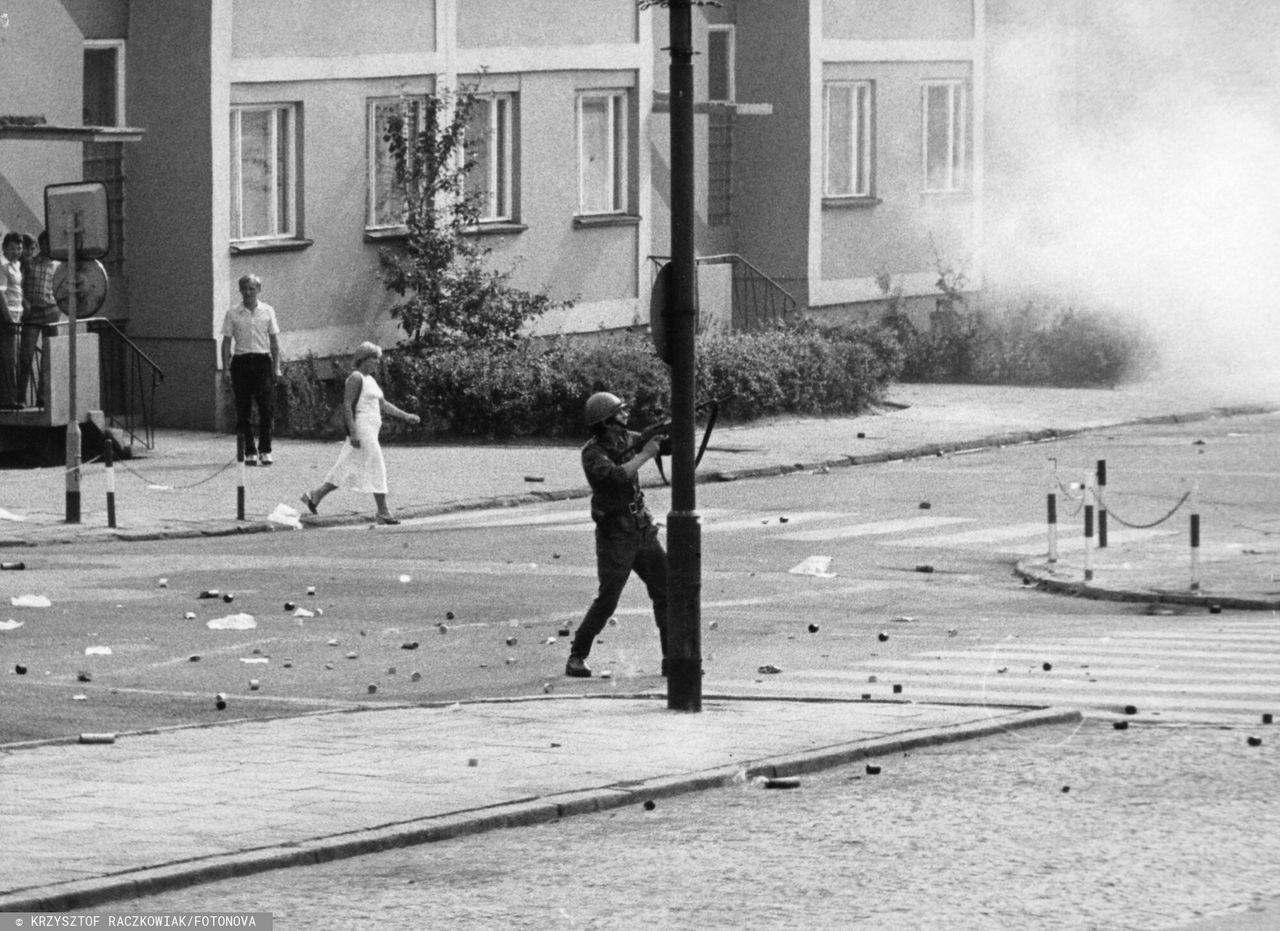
{"points": [[1082, 827]]}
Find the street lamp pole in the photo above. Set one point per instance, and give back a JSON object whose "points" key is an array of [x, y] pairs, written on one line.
{"points": [[684, 533]]}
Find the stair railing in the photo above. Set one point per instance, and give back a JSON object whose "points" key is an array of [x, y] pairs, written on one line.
{"points": [[759, 302]]}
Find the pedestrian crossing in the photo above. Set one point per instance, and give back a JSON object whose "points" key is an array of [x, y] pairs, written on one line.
{"points": [[1226, 673], [1022, 539]]}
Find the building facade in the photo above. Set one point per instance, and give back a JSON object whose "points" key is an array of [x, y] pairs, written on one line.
{"points": [[839, 146]]}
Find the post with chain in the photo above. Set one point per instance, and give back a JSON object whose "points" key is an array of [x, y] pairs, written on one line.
{"points": [[1088, 531], [684, 533], [1102, 504]]}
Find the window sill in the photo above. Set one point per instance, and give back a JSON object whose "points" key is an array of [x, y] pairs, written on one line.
{"points": [[591, 221], [385, 233], [495, 228], [273, 245], [843, 203]]}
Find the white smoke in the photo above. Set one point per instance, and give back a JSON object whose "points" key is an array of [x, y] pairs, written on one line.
{"points": [[1134, 161]]}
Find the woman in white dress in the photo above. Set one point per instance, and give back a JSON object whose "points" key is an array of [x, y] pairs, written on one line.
{"points": [[360, 466]]}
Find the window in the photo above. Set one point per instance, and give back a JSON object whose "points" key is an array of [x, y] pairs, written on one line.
{"points": [[602, 152], [720, 61], [847, 116], [945, 108], [489, 144], [104, 161], [263, 172], [386, 193], [104, 82]]}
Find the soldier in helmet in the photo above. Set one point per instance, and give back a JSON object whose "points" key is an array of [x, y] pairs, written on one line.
{"points": [[626, 537]]}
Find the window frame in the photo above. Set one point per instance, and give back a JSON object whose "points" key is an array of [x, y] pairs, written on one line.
{"points": [[498, 185], [372, 156], [618, 151], [282, 230], [730, 61], [118, 47], [958, 136], [862, 148]]}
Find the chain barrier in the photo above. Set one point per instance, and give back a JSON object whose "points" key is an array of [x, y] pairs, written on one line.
{"points": [[1134, 526], [138, 475], [11, 482], [1232, 522], [1066, 493]]}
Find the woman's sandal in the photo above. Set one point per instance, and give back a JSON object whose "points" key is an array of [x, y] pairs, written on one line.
{"points": [[309, 502], [387, 519]]}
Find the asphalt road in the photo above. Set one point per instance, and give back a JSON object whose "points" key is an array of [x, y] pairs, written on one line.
{"points": [[485, 596], [1160, 823]]}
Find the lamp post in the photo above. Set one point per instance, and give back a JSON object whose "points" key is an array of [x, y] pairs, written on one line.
{"points": [[684, 533]]}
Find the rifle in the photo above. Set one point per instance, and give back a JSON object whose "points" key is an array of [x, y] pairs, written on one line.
{"points": [[663, 427]]}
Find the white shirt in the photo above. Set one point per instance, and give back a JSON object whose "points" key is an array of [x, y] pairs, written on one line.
{"points": [[11, 279], [250, 330]]}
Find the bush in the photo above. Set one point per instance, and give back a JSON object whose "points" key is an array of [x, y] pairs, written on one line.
{"points": [[1027, 342], [537, 388]]}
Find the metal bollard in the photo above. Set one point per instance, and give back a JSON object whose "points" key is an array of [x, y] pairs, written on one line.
{"points": [[109, 456], [1053, 527], [1102, 505], [240, 487], [1088, 533], [1195, 552]]}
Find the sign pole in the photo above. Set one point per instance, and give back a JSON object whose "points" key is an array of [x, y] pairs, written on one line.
{"points": [[73, 417]]}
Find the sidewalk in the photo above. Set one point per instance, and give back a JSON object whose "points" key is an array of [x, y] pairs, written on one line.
{"points": [[88, 823]]}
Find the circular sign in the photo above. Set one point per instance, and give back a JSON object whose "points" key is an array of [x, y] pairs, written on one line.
{"points": [[91, 287]]}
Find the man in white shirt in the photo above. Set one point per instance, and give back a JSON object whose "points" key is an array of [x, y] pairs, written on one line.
{"points": [[251, 360], [10, 319]]}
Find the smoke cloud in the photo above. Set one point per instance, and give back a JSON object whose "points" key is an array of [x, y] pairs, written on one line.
{"points": [[1134, 162]]}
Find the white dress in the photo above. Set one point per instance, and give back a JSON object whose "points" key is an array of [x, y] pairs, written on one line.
{"points": [[363, 469]]}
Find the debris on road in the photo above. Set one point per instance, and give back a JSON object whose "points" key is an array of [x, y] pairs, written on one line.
{"points": [[10, 624], [30, 601], [233, 622], [97, 651], [769, 669], [816, 566], [209, 593]]}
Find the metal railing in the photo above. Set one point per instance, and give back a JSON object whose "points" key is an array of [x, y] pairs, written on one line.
{"points": [[758, 301], [129, 379]]}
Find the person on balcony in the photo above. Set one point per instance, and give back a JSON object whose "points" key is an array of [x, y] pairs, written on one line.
{"points": [[251, 360], [10, 319], [40, 309]]}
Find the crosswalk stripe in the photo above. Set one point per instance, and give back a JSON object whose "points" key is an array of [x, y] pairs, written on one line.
{"points": [[770, 520], [971, 537], [874, 528]]}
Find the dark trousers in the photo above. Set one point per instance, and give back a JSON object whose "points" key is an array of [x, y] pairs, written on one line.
{"points": [[253, 382], [620, 552], [30, 343], [8, 362]]}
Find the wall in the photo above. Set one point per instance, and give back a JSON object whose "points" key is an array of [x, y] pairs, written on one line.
{"points": [[41, 63], [173, 203], [772, 190]]}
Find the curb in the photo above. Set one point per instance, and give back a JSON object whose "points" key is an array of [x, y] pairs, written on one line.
{"points": [[520, 813], [1038, 575], [930, 450]]}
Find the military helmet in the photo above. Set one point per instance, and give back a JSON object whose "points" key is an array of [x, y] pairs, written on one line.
{"points": [[601, 406]]}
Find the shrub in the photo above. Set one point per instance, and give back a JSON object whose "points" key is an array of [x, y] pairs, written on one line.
{"points": [[1024, 341], [537, 387]]}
